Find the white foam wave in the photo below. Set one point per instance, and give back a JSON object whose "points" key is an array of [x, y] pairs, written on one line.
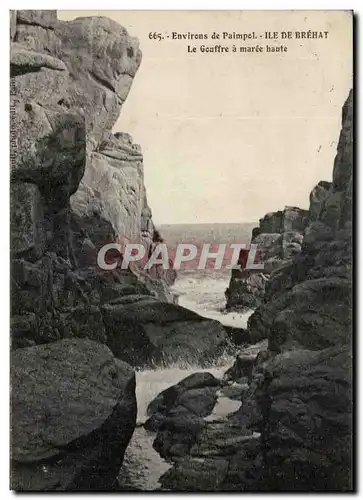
{"points": [[205, 296]]}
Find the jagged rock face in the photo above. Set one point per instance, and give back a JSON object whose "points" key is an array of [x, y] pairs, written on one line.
{"points": [[43, 18], [245, 291], [47, 167], [96, 56], [68, 434], [244, 363], [320, 276], [308, 420], [110, 59], [75, 185], [278, 238], [300, 395], [317, 198], [343, 164], [85, 66], [304, 397], [270, 223], [113, 188]]}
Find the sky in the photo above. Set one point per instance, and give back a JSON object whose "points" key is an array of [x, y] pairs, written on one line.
{"points": [[229, 137]]}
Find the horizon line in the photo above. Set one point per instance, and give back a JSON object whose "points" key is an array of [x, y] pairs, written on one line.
{"points": [[200, 223]]}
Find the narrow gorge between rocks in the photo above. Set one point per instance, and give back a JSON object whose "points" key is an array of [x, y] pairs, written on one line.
{"points": [[143, 466], [154, 379]]}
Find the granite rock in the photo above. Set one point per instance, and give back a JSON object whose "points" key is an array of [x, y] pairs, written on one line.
{"points": [[73, 414]]}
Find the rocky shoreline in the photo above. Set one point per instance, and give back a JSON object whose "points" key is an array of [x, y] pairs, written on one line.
{"points": [[78, 332], [76, 186], [293, 429]]}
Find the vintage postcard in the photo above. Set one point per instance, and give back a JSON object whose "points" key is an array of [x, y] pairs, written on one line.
{"points": [[181, 250]]}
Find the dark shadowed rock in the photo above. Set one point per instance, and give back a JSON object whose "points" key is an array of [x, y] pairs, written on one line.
{"points": [[294, 219], [48, 172], [177, 433], [193, 474], [73, 414], [198, 380], [317, 198], [147, 331], [301, 396], [238, 336], [245, 360], [177, 414], [245, 291], [167, 398], [220, 439], [308, 412], [154, 422], [100, 89], [54, 66], [199, 401]]}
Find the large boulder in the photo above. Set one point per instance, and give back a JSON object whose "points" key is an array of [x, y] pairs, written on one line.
{"points": [[146, 331], [103, 59], [97, 56], [168, 398], [73, 412], [177, 413]]}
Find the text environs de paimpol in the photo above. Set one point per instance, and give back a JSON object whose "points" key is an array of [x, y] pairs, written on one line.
{"points": [[215, 35]]}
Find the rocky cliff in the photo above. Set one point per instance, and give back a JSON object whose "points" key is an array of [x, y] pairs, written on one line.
{"points": [[305, 396], [302, 400], [73, 402], [76, 186], [82, 68], [277, 238]]}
